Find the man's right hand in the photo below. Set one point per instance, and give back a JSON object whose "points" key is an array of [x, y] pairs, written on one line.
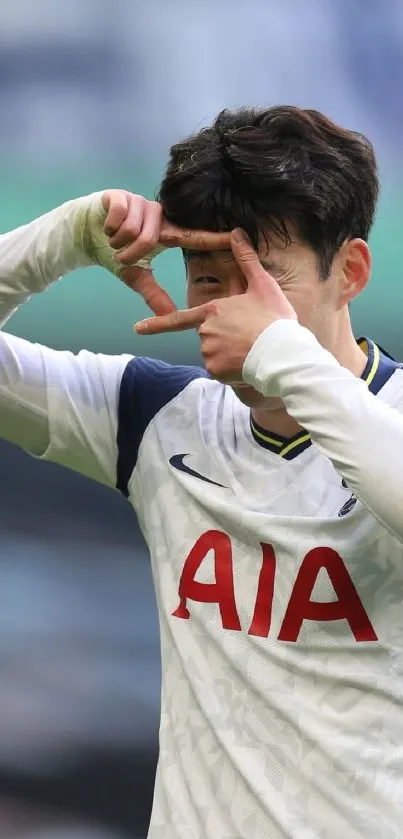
{"points": [[136, 229]]}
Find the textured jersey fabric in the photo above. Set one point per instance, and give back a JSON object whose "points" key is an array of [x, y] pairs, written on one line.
{"points": [[277, 563], [280, 604]]}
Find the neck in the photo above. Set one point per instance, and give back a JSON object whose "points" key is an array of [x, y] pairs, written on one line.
{"points": [[273, 417]]}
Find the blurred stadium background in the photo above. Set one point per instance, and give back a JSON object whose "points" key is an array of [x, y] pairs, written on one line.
{"points": [[92, 95]]}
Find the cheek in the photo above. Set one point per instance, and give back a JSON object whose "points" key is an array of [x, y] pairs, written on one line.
{"points": [[188, 292], [311, 303], [304, 303], [193, 296], [197, 295]]}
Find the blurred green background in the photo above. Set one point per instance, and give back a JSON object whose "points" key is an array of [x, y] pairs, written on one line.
{"points": [[92, 95], [91, 309]]}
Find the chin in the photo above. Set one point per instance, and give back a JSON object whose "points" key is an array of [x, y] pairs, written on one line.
{"points": [[248, 395]]}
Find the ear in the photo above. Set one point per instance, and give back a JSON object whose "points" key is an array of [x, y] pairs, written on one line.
{"points": [[355, 265]]}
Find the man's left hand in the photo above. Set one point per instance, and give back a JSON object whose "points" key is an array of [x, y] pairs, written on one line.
{"points": [[229, 327]]}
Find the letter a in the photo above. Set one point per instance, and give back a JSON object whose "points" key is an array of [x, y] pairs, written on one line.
{"points": [[348, 606], [222, 590]]}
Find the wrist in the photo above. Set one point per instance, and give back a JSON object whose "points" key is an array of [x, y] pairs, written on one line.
{"points": [[89, 235], [274, 351], [59, 239]]}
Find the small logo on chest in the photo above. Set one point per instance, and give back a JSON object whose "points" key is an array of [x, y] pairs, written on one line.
{"points": [[177, 461]]}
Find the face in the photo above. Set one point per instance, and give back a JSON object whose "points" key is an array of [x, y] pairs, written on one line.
{"points": [[319, 304]]}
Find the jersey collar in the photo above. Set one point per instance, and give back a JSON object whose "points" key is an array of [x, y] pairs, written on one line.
{"points": [[378, 369]]}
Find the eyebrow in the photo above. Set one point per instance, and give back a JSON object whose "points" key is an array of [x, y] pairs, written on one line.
{"points": [[269, 265], [189, 254]]}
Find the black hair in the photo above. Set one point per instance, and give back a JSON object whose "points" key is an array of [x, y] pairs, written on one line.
{"points": [[266, 169]]}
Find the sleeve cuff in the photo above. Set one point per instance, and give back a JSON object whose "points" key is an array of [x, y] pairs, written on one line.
{"points": [[275, 352]]}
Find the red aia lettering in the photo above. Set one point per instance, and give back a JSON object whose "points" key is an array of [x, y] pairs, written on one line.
{"points": [[264, 599], [222, 591], [348, 605]]}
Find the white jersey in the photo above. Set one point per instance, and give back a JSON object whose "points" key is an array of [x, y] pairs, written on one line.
{"points": [[280, 604], [278, 569]]}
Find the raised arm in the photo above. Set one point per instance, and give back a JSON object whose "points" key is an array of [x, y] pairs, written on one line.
{"points": [[49, 400], [255, 337], [57, 405]]}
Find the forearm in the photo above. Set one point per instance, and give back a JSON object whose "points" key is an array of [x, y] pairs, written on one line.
{"points": [[57, 405], [360, 434], [35, 255]]}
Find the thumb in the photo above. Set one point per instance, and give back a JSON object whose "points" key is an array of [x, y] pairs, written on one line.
{"points": [[261, 285], [142, 281], [249, 262]]}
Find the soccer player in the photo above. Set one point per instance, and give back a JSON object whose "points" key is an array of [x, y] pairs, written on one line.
{"points": [[268, 486]]}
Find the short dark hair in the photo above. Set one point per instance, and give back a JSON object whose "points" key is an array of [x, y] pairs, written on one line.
{"points": [[261, 169]]}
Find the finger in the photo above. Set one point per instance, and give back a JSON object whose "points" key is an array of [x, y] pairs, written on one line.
{"points": [[248, 259], [174, 322], [260, 282], [173, 236], [143, 282], [116, 204], [130, 229], [147, 237]]}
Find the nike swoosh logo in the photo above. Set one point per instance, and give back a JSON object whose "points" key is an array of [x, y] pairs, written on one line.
{"points": [[177, 462]]}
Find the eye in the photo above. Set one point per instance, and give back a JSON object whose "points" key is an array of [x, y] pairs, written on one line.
{"points": [[205, 280]]}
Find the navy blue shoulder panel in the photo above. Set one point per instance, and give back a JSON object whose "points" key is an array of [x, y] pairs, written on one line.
{"points": [[147, 385]]}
